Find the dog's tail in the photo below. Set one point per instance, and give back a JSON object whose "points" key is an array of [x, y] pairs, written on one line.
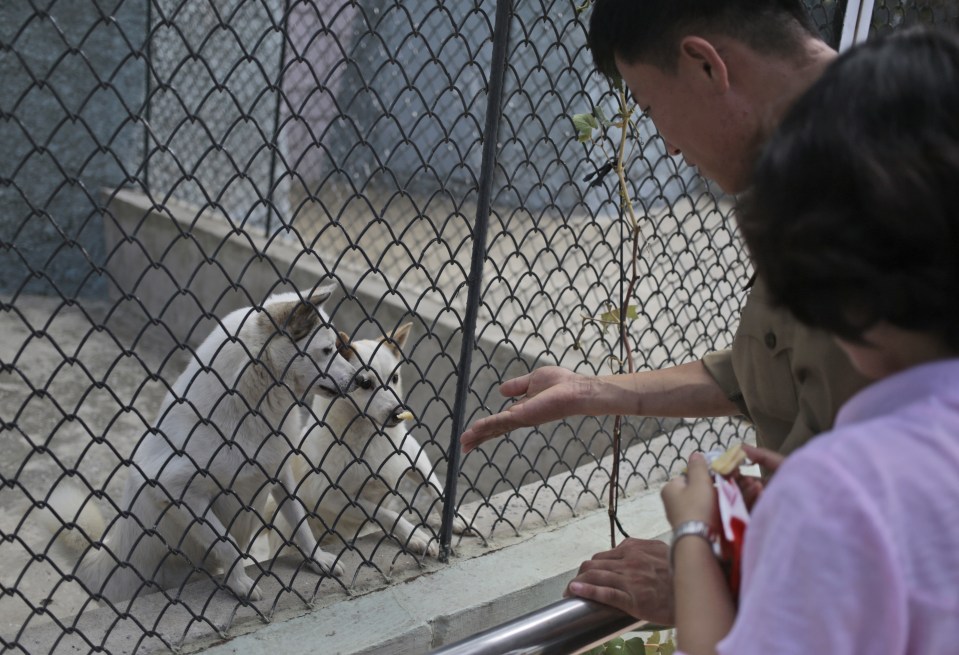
{"points": [[94, 548], [72, 519]]}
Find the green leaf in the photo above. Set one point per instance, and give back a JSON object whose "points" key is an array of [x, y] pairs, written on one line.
{"points": [[668, 648], [653, 638], [612, 316], [616, 646], [635, 646], [584, 124], [600, 116]]}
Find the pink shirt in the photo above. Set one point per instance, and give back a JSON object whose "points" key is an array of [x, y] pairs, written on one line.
{"points": [[854, 546]]}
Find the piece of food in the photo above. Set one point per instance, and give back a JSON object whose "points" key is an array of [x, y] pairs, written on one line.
{"points": [[730, 461]]}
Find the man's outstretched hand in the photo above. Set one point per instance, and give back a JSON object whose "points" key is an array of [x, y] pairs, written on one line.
{"points": [[546, 394]]}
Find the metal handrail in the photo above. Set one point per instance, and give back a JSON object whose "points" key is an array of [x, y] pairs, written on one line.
{"points": [[566, 627]]}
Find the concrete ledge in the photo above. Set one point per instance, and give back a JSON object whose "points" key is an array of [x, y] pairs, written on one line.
{"points": [[443, 606]]}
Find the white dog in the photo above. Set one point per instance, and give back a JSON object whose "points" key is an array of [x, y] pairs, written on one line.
{"points": [[360, 467], [199, 486]]}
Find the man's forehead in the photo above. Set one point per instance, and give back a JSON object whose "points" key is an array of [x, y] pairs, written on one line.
{"points": [[636, 81]]}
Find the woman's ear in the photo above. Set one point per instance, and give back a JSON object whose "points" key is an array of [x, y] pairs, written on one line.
{"points": [[699, 59]]}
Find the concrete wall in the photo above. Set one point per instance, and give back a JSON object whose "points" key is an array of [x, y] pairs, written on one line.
{"points": [[214, 103], [73, 93]]}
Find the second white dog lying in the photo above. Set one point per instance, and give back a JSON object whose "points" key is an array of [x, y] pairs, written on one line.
{"points": [[360, 467]]}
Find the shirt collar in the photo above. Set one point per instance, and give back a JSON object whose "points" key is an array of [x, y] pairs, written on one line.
{"points": [[885, 396]]}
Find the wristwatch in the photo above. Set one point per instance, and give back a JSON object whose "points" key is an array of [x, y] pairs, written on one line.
{"points": [[695, 528]]}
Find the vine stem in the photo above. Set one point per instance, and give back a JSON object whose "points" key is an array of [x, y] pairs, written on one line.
{"points": [[626, 207]]}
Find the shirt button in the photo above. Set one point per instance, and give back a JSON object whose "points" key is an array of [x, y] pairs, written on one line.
{"points": [[770, 340]]}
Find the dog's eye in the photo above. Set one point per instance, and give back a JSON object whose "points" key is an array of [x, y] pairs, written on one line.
{"points": [[364, 383], [328, 350], [395, 378]]}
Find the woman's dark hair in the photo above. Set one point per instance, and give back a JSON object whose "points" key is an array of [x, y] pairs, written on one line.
{"points": [[650, 30], [853, 215]]}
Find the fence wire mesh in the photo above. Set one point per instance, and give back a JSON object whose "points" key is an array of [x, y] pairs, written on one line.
{"points": [[169, 163]]}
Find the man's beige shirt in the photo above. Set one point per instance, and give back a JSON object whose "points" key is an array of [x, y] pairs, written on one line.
{"points": [[789, 380]]}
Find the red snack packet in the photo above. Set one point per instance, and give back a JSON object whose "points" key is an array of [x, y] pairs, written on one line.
{"points": [[733, 514]]}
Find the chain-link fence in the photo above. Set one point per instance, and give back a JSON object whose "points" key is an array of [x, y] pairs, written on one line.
{"points": [[169, 162]]}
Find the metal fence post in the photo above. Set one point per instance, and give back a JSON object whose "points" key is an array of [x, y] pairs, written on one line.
{"points": [[494, 104], [275, 146], [147, 100]]}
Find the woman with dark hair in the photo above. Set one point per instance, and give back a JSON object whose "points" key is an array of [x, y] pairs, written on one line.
{"points": [[853, 222]]}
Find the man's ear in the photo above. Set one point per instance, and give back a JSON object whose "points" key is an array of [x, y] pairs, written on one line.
{"points": [[699, 57]]}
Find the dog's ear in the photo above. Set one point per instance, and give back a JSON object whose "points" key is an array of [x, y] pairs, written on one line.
{"points": [[343, 345], [397, 339], [297, 318], [320, 296]]}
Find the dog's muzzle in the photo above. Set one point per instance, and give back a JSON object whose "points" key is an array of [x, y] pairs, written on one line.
{"points": [[331, 389], [399, 415]]}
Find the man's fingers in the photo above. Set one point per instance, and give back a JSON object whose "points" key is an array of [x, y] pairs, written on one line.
{"points": [[515, 386], [600, 593], [483, 430], [592, 565], [615, 553], [634, 548], [492, 426]]}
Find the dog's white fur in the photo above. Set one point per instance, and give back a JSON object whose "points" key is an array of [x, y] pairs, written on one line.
{"points": [[360, 467], [201, 480]]}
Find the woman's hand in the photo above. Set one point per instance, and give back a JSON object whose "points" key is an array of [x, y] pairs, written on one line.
{"points": [[692, 497]]}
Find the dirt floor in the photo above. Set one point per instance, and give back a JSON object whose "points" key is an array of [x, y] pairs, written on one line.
{"points": [[72, 398]]}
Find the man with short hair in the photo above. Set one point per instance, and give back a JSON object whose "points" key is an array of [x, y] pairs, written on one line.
{"points": [[715, 77]]}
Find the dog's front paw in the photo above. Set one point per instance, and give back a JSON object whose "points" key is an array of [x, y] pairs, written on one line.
{"points": [[460, 526], [243, 586], [421, 542], [326, 564]]}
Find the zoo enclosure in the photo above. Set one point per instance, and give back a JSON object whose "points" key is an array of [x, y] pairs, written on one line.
{"points": [[169, 161]]}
